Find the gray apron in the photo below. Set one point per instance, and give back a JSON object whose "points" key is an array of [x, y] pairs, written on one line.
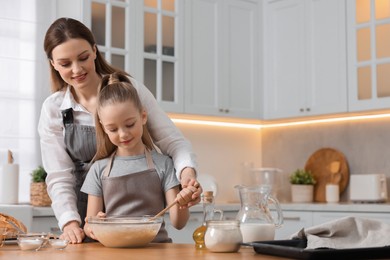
{"points": [[135, 194], [80, 142]]}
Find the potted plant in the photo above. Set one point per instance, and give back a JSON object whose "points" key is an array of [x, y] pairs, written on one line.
{"points": [[38, 189], [302, 186]]}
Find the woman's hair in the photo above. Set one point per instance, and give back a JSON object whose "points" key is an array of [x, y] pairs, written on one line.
{"points": [[62, 30], [116, 88]]}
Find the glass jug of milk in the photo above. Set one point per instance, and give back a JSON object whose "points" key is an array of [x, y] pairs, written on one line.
{"points": [[256, 221]]}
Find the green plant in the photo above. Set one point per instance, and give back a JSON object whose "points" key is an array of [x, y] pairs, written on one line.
{"points": [[39, 174], [301, 176]]}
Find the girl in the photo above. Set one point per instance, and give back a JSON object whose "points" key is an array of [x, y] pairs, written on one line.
{"points": [[128, 177], [66, 125]]}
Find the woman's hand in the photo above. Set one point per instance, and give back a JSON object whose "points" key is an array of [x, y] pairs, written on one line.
{"points": [[73, 233], [187, 179]]}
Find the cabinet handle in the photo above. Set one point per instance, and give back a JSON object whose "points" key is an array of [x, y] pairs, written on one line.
{"points": [[292, 218], [301, 110], [308, 109], [221, 110], [226, 111]]}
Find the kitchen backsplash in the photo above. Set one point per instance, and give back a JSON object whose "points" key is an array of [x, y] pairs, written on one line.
{"points": [[221, 151], [365, 145]]}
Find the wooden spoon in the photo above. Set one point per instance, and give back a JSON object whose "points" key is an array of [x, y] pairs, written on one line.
{"points": [[163, 211]]}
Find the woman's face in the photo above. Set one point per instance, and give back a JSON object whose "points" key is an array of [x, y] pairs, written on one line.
{"points": [[123, 123], [75, 62]]}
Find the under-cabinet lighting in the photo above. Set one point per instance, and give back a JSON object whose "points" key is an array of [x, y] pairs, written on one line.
{"points": [[215, 123], [278, 124]]}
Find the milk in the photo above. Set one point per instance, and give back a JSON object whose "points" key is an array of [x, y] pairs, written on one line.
{"points": [[257, 232]]}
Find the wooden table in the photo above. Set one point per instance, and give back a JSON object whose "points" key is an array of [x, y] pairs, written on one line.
{"points": [[96, 251]]}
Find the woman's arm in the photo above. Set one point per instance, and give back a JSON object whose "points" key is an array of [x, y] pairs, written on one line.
{"points": [[57, 163]]}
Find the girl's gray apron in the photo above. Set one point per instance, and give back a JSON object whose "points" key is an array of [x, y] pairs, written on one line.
{"points": [[135, 194], [80, 142]]}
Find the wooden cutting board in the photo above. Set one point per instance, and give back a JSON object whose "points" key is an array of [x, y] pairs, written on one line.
{"points": [[327, 166]]}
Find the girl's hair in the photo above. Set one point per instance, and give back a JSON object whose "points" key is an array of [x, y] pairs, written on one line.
{"points": [[62, 30], [116, 88]]}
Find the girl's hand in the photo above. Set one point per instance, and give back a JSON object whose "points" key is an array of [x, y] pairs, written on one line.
{"points": [[185, 198], [188, 178], [88, 230], [73, 233]]}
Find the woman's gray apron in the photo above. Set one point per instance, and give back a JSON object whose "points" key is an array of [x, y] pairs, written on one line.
{"points": [[80, 142], [135, 194]]}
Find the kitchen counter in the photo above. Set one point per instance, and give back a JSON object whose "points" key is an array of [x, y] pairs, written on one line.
{"points": [[234, 206], [93, 251]]}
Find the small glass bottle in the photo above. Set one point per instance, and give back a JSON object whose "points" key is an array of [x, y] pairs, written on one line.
{"points": [[208, 214]]}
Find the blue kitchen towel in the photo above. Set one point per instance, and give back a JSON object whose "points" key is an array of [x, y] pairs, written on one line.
{"points": [[347, 232]]}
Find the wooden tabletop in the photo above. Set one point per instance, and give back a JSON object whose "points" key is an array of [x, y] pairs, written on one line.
{"points": [[96, 251]]}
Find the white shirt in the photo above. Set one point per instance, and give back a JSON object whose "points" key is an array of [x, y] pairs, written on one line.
{"points": [[58, 164]]}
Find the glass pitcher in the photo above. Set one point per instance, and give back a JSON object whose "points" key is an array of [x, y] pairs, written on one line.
{"points": [[256, 221]]}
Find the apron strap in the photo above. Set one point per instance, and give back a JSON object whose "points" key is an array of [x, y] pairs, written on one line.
{"points": [[148, 157], [67, 116], [109, 165]]}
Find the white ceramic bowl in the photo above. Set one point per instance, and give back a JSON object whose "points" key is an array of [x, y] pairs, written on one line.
{"points": [[125, 231], [58, 243], [30, 241]]}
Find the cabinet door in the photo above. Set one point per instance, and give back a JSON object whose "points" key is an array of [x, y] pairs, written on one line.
{"points": [[306, 58], [285, 52], [222, 58], [368, 55], [184, 236], [327, 65], [239, 78], [202, 52], [293, 222]]}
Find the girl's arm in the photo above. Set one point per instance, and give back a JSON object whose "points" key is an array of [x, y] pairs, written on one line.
{"points": [[179, 213], [94, 208]]}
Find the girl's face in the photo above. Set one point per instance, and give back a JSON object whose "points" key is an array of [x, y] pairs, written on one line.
{"points": [[123, 123], [75, 62]]}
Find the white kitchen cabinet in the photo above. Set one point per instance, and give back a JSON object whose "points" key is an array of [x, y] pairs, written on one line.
{"points": [[45, 224], [222, 72], [368, 55], [305, 58], [293, 222]]}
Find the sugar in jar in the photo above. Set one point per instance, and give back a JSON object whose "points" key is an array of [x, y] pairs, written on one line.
{"points": [[223, 236]]}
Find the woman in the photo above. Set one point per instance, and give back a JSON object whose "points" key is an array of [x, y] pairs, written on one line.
{"points": [[66, 125]]}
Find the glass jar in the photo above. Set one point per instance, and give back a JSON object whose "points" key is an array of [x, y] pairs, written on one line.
{"points": [[223, 236], [208, 214]]}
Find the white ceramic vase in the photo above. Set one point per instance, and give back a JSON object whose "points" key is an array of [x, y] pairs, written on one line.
{"points": [[302, 193]]}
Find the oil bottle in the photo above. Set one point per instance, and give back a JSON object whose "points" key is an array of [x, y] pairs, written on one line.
{"points": [[207, 200]]}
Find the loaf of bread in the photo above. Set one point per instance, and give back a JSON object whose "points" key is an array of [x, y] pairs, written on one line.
{"points": [[10, 229]]}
